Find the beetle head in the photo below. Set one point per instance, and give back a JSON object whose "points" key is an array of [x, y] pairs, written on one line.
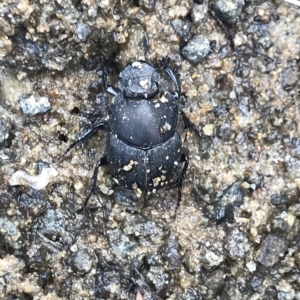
{"points": [[139, 80]]}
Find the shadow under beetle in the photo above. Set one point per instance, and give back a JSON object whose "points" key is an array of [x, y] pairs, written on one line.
{"points": [[143, 146]]}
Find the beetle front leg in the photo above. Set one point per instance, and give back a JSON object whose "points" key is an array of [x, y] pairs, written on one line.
{"points": [[172, 72], [109, 88], [98, 126], [101, 162]]}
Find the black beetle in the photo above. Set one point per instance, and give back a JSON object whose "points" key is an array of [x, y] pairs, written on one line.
{"points": [[144, 145]]}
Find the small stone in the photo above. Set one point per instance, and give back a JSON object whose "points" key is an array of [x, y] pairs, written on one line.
{"points": [[57, 27], [209, 129], [237, 244], [83, 31], [10, 264], [197, 48], [240, 39], [211, 257], [81, 262], [6, 27], [284, 221], [5, 129], [251, 266], [147, 5], [10, 232], [172, 253], [37, 182], [51, 224], [182, 28], [214, 282], [32, 203], [228, 10], [224, 132], [270, 250], [32, 105], [289, 79], [198, 13]]}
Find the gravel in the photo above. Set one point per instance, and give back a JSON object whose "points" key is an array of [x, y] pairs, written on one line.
{"points": [[235, 234], [196, 49]]}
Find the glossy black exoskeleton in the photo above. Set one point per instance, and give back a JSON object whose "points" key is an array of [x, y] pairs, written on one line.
{"points": [[143, 145]]}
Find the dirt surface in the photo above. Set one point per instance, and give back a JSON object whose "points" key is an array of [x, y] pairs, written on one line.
{"points": [[235, 234]]}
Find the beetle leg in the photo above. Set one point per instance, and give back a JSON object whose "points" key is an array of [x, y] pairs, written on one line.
{"points": [[173, 74], [230, 36], [88, 134], [101, 162], [188, 124], [109, 88], [178, 182]]}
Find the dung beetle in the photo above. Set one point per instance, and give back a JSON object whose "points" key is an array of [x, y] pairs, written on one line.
{"points": [[143, 144]]}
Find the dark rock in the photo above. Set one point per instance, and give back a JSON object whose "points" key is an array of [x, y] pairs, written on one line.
{"points": [[81, 262], [51, 224], [228, 10], [7, 155], [289, 79], [182, 28], [106, 283], [214, 281], [205, 146], [221, 110], [192, 294], [29, 56], [273, 136], [147, 5], [172, 253], [196, 49], [270, 250], [32, 203], [35, 252], [10, 232], [57, 27], [231, 198], [231, 291], [198, 13], [83, 31], [237, 243], [224, 132], [277, 200], [285, 198], [256, 282], [5, 131]]}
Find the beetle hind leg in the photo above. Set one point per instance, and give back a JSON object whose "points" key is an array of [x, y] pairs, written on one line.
{"points": [[179, 181], [188, 124], [101, 162]]}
